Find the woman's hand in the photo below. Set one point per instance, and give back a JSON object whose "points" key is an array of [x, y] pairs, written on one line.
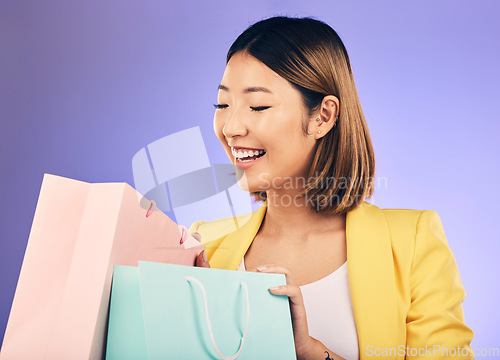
{"points": [[201, 259], [304, 344]]}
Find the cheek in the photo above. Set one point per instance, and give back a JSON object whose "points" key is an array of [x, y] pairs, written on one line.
{"points": [[290, 155], [218, 128]]}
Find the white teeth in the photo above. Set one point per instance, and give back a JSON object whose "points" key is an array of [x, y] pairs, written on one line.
{"points": [[243, 154]]}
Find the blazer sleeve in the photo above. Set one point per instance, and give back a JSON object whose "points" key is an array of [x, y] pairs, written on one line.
{"points": [[435, 319], [194, 226]]}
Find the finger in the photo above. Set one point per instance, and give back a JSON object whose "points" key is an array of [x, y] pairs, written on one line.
{"points": [[272, 268], [201, 260], [293, 293], [297, 309]]}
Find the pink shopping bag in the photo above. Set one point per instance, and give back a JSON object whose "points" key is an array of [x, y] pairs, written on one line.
{"points": [[79, 232]]}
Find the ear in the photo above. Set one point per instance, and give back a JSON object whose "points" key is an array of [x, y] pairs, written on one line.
{"points": [[325, 118]]}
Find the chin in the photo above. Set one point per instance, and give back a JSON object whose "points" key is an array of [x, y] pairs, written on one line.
{"points": [[242, 180], [249, 185]]}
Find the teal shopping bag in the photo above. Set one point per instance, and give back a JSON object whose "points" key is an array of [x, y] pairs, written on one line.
{"points": [[201, 313], [126, 337]]}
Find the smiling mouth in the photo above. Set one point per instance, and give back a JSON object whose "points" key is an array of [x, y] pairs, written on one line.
{"points": [[251, 158], [248, 155]]}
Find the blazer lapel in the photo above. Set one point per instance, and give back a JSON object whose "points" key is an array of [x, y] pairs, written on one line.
{"points": [[370, 268], [232, 249]]}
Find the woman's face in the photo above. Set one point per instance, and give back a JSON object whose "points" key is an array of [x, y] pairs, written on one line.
{"points": [[261, 113]]}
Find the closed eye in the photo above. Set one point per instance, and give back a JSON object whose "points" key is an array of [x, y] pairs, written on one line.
{"points": [[259, 108], [254, 108]]}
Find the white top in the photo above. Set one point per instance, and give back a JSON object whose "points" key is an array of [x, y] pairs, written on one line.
{"points": [[330, 317]]}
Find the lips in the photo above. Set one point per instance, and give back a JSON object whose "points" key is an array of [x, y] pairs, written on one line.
{"points": [[255, 156], [244, 148], [247, 162], [247, 153]]}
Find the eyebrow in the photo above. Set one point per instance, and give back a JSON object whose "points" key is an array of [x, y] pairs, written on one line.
{"points": [[247, 90]]}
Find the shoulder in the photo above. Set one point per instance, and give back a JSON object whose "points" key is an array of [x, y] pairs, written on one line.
{"points": [[411, 230], [408, 221], [402, 217]]}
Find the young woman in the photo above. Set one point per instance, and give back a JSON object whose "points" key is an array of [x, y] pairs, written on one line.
{"points": [[363, 282]]}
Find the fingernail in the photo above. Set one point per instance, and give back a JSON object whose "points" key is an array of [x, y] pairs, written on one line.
{"points": [[204, 256], [262, 268], [274, 288]]}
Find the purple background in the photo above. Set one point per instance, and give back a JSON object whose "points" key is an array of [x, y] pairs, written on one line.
{"points": [[85, 85]]}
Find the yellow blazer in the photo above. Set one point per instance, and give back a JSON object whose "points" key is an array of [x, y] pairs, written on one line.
{"points": [[405, 287]]}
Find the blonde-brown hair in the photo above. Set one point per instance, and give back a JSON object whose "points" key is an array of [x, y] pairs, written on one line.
{"points": [[310, 55]]}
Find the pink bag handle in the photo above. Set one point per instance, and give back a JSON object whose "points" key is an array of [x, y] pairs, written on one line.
{"points": [[152, 208], [184, 233]]}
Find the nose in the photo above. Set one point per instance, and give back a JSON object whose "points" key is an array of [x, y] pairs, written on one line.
{"points": [[234, 126]]}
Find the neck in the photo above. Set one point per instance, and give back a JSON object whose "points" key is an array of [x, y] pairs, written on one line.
{"points": [[293, 217]]}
